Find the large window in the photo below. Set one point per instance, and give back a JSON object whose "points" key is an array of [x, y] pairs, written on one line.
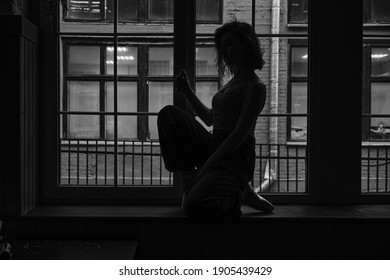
{"points": [[88, 87], [208, 11], [106, 117]]}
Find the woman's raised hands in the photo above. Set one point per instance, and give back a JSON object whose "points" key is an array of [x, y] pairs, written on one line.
{"points": [[181, 82]]}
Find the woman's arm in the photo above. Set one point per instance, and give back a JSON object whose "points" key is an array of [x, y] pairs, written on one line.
{"points": [[253, 103], [182, 85]]}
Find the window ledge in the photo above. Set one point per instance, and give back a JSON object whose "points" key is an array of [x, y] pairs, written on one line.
{"points": [[336, 212], [299, 25], [376, 24], [372, 144], [292, 143], [364, 144]]}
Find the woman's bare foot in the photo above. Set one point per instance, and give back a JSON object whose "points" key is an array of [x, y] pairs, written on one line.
{"points": [[254, 200]]}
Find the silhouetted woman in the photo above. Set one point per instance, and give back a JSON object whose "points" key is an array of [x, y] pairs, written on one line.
{"points": [[216, 168]]}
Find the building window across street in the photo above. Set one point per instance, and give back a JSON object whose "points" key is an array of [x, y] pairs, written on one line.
{"points": [[377, 11], [207, 11]]}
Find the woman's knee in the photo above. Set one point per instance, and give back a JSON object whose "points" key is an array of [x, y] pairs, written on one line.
{"points": [[167, 110]]}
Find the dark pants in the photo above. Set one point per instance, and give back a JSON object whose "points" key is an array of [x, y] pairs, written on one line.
{"points": [[186, 145]]}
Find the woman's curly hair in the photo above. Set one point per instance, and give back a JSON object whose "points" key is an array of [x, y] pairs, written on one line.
{"points": [[247, 36]]}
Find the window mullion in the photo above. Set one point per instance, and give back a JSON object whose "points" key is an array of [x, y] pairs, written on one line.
{"points": [[143, 92], [115, 93], [103, 92], [184, 44], [335, 100]]}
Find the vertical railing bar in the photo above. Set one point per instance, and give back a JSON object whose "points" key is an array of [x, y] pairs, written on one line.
{"points": [[105, 162], [278, 171], [368, 167], [377, 169], [386, 167], [124, 162], [69, 163], [306, 173], [260, 164], [116, 175], [269, 161], [142, 163], [132, 163], [296, 167], [364, 161], [151, 163], [86, 163], [288, 168], [161, 164], [96, 162], [78, 161]]}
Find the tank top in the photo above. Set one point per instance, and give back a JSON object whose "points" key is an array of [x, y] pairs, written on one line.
{"points": [[226, 104]]}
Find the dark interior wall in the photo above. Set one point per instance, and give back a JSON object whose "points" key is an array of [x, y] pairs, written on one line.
{"points": [[27, 8], [19, 141]]}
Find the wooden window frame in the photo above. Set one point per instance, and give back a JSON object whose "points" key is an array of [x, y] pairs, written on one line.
{"points": [[324, 151]]}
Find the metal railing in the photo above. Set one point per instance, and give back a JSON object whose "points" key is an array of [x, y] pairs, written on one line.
{"points": [[280, 168], [91, 163], [375, 169]]}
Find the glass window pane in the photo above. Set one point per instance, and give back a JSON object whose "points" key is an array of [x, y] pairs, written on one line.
{"points": [[127, 127], [299, 58], [380, 62], [298, 106], [83, 126], [127, 10], [83, 60], [160, 10], [83, 96], [298, 11], [161, 61], [380, 11], [160, 95], [207, 10], [127, 97], [85, 9], [205, 91], [205, 61], [380, 103], [127, 60]]}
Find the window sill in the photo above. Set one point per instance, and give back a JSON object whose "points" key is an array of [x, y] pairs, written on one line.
{"points": [[376, 24], [375, 144], [297, 25], [364, 144], [293, 143], [173, 212], [164, 232]]}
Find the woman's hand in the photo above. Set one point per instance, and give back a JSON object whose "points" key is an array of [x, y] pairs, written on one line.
{"points": [[181, 82]]}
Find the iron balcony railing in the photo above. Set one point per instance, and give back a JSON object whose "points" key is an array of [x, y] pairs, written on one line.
{"points": [[280, 168]]}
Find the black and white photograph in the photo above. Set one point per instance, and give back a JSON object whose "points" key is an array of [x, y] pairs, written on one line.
{"points": [[219, 130]]}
